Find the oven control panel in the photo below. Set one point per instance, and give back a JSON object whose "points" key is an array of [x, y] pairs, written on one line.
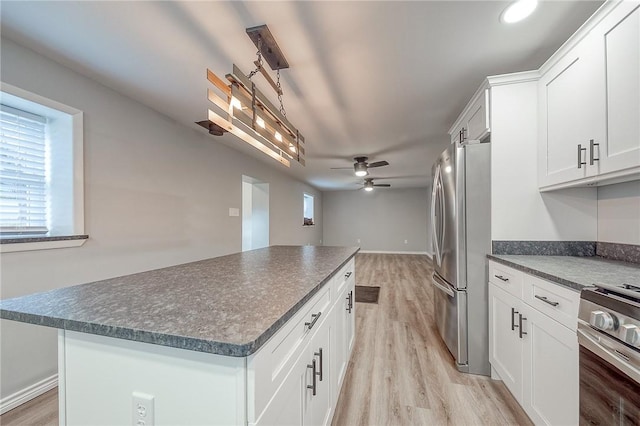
{"points": [[623, 327]]}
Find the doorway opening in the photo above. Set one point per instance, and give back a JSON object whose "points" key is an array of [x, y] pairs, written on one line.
{"points": [[255, 213]]}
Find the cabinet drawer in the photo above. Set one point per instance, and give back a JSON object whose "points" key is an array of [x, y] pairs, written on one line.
{"points": [[559, 303], [343, 276], [268, 368], [506, 278]]}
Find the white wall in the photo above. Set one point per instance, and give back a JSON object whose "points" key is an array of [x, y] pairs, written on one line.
{"points": [[382, 219], [157, 193], [619, 213], [518, 210]]}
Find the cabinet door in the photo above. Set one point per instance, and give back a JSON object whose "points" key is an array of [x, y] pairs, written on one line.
{"points": [[285, 409], [317, 409], [550, 371], [572, 112], [505, 345], [477, 126], [351, 318], [339, 354], [620, 35]]}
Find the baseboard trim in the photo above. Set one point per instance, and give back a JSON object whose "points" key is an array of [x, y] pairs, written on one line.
{"points": [[27, 394], [424, 253]]}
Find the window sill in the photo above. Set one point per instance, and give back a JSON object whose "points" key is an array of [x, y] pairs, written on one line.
{"points": [[308, 226], [9, 245]]}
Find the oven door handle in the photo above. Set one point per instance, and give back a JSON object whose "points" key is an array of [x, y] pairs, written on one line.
{"points": [[609, 355]]}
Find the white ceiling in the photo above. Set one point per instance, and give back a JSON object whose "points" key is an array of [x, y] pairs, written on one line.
{"points": [[382, 79]]}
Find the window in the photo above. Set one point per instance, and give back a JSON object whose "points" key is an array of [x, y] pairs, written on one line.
{"points": [[41, 173], [308, 210]]}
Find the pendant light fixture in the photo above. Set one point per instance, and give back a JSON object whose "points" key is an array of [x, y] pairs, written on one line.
{"points": [[245, 112]]}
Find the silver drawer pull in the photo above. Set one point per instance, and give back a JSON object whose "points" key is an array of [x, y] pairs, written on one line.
{"points": [[313, 320], [501, 278], [347, 275], [545, 300]]}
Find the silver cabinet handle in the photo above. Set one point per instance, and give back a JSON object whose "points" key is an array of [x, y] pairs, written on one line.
{"points": [[312, 366], [513, 320], [314, 319], [350, 301], [580, 162], [521, 332], [592, 146], [319, 354], [545, 300], [501, 278], [347, 275]]}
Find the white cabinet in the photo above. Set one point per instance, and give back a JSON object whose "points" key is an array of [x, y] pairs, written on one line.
{"points": [[473, 124], [572, 113], [589, 104], [531, 347], [505, 352], [296, 377], [345, 325], [619, 35], [550, 370]]}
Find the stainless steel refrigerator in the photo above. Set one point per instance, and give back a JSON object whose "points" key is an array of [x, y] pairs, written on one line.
{"points": [[461, 236]]}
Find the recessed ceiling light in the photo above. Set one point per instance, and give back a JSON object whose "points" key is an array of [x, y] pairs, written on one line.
{"points": [[518, 10]]}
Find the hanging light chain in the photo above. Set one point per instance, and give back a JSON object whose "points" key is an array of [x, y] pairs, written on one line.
{"points": [[259, 54], [279, 86]]}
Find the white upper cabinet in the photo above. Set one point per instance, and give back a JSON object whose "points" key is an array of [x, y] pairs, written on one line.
{"points": [[474, 122], [621, 38], [589, 104], [572, 113]]}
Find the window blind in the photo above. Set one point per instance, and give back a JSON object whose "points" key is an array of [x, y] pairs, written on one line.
{"points": [[23, 183]]}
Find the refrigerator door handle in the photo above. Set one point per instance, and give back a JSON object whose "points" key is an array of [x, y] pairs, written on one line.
{"points": [[436, 221], [434, 227], [441, 285], [442, 215]]}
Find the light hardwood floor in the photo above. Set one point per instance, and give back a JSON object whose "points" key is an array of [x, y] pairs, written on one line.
{"points": [[400, 372]]}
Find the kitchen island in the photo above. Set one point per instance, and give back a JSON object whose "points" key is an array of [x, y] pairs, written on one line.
{"points": [[238, 339]]}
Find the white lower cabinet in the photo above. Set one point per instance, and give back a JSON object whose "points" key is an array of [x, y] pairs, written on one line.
{"points": [[506, 347], [295, 379], [533, 346], [550, 367]]}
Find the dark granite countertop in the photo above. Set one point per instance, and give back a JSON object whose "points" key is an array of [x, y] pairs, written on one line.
{"points": [[227, 305], [574, 272]]}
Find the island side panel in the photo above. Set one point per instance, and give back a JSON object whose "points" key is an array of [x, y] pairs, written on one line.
{"points": [[100, 374]]}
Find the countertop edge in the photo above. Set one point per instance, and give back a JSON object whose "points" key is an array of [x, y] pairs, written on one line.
{"points": [[172, 340], [555, 279]]}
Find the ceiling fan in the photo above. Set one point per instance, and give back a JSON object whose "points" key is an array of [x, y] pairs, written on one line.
{"points": [[368, 184], [361, 167]]}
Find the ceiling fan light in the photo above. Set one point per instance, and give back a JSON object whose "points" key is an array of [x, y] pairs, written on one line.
{"points": [[518, 11], [368, 188], [360, 169]]}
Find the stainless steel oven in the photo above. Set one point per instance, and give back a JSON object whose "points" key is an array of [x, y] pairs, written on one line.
{"points": [[609, 338]]}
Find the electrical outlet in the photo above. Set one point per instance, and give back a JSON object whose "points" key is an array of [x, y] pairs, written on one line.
{"points": [[234, 211], [406, 241], [358, 240], [142, 409]]}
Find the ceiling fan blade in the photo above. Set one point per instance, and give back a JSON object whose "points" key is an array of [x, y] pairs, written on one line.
{"points": [[384, 185], [378, 164]]}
